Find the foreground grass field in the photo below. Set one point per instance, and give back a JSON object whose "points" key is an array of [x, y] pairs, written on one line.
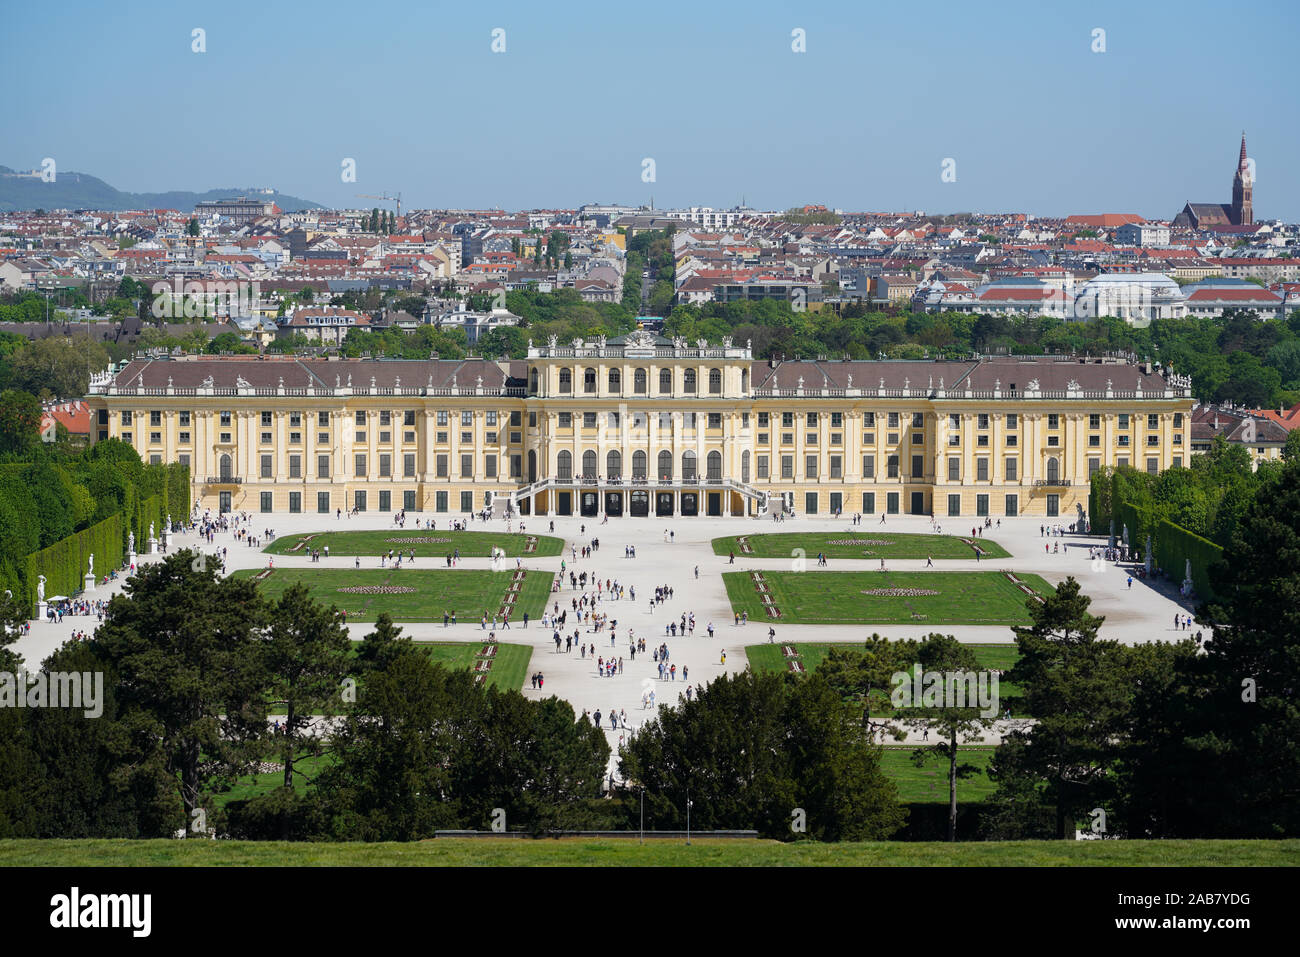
{"points": [[428, 543], [769, 657], [844, 598], [863, 542], [929, 782], [470, 594], [590, 852]]}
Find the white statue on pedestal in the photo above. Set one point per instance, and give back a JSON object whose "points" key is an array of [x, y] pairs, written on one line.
{"points": [[91, 569], [40, 588], [151, 534], [130, 542]]}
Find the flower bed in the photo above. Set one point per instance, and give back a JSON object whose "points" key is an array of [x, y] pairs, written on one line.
{"points": [[858, 541], [377, 590], [420, 540], [900, 592]]}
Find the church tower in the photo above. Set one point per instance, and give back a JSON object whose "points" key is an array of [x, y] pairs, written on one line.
{"points": [[1243, 186]]}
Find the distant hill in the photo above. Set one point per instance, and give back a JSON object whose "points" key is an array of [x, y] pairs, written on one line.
{"points": [[83, 191]]}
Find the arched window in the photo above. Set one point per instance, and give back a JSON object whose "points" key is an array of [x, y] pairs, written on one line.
{"points": [[589, 381], [532, 465], [532, 382], [225, 468], [688, 381], [688, 466], [638, 382], [615, 381], [744, 466], [715, 466], [638, 464], [715, 381], [589, 464], [1053, 471], [666, 381], [613, 464], [744, 381], [566, 380], [564, 465], [665, 464]]}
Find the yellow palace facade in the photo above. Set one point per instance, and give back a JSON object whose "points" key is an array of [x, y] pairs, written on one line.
{"points": [[645, 426]]}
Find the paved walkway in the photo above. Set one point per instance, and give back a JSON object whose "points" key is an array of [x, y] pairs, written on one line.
{"points": [[1133, 615]]}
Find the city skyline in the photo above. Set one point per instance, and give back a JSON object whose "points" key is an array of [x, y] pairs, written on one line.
{"points": [[721, 103]]}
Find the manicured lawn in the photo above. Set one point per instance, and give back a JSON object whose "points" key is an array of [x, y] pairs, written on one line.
{"points": [[508, 667], [593, 852], [469, 593], [929, 782], [864, 542], [845, 598], [428, 543]]}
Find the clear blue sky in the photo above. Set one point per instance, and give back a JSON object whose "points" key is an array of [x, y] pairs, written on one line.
{"points": [[1011, 91]]}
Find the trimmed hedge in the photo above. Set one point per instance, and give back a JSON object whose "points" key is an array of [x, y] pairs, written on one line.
{"points": [[64, 563], [1176, 545]]}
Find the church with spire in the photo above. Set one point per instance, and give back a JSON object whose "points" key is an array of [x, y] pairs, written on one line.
{"points": [[1239, 213]]}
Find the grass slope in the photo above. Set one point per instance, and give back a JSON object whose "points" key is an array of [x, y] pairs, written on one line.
{"points": [[442, 543], [836, 598], [591, 852], [899, 545]]}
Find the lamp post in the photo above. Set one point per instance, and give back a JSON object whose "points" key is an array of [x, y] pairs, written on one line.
{"points": [[643, 814], [688, 817]]}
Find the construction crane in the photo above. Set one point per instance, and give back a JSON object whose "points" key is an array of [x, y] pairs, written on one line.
{"points": [[391, 199]]}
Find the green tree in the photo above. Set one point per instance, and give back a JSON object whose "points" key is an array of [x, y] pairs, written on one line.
{"points": [[20, 421]]}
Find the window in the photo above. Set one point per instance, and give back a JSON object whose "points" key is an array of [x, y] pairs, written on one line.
{"points": [[490, 466], [566, 420], [532, 420], [466, 418], [295, 438], [638, 382], [361, 418], [891, 466], [810, 503], [225, 419], [688, 466], [837, 438], [1053, 421], [639, 464], [184, 438], [322, 438], [981, 470], [440, 501], [1053, 441], [954, 439], [322, 420], [589, 381], [1153, 421], [295, 420], [1178, 438], [441, 464], [155, 438], [763, 420], [1094, 421], [715, 381], [982, 420], [266, 466], [359, 500], [868, 502], [787, 438], [490, 438], [1178, 420], [408, 436], [665, 381], [954, 469], [837, 468], [787, 420], [787, 466], [361, 465], [295, 466], [615, 381], [688, 381], [891, 438], [810, 466], [762, 467], [1123, 420], [441, 438], [917, 438], [589, 420], [982, 441], [1178, 461], [1153, 440], [408, 417], [982, 506], [1153, 465], [126, 437], [869, 420], [811, 438], [715, 420], [266, 438], [492, 419], [103, 417], [954, 421], [812, 420], [323, 502], [1053, 471], [714, 467], [1011, 468], [323, 466], [1013, 440], [564, 466], [1012, 420], [408, 465], [1122, 461], [918, 420], [385, 501], [1094, 466], [385, 465], [665, 466], [265, 498], [613, 464], [295, 502], [184, 459], [954, 505], [868, 438], [893, 421], [1012, 506], [183, 418], [467, 466], [155, 417], [1123, 441], [764, 438], [744, 466], [442, 417], [868, 466], [1094, 441]]}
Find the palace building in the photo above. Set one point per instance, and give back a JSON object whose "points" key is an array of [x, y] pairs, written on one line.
{"points": [[642, 425]]}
